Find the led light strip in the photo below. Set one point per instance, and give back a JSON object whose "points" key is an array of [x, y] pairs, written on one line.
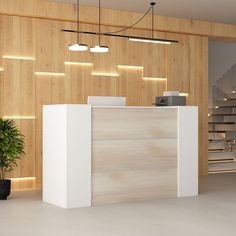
{"points": [[50, 74], [105, 74], [184, 94], [19, 117], [18, 58], [23, 178], [155, 79], [78, 63], [130, 67]]}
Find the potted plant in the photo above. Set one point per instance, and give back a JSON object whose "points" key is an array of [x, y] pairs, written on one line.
{"points": [[11, 149]]}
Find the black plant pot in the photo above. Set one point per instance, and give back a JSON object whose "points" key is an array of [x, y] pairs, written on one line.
{"points": [[5, 189]]}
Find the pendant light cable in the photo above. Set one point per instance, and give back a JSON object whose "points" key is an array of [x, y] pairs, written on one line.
{"points": [[78, 15], [99, 22], [153, 4], [131, 26]]}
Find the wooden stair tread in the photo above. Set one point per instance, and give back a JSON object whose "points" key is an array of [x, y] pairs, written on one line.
{"points": [[220, 161], [221, 123], [222, 171], [226, 107], [223, 114], [221, 140], [215, 149], [217, 131], [222, 152]]}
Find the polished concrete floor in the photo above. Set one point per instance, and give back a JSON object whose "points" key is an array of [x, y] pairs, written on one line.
{"points": [[212, 213]]}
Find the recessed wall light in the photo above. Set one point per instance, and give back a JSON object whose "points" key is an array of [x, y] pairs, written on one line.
{"points": [[155, 79], [50, 74], [184, 94], [78, 63], [130, 67], [105, 74], [18, 58], [19, 117], [23, 178]]}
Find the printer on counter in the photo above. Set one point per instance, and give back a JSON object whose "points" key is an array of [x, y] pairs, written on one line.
{"points": [[170, 98]]}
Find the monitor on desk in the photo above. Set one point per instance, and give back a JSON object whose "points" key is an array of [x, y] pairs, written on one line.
{"points": [[106, 101]]}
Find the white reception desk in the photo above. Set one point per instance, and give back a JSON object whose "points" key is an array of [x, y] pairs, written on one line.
{"points": [[104, 155]]}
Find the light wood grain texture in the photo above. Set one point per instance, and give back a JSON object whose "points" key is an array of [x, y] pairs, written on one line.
{"points": [[115, 123], [129, 85], [19, 88], [133, 158], [179, 64], [23, 184], [17, 36], [18, 100], [199, 94], [47, 49]]}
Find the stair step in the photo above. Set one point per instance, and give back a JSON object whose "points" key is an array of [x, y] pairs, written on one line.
{"points": [[222, 171], [217, 140], [215, 149], [221, 123], [221, 155], [226, 107], [216, 145], [217, 131], [223, 114], [220, 152], [226, 166], [220, 161]]}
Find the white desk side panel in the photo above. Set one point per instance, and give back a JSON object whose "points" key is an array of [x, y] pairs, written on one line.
{"points": [[54, 155], [79, 156], [187, 151]]}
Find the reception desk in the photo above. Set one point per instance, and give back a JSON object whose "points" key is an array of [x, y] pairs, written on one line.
{"points": [[103, 155]]}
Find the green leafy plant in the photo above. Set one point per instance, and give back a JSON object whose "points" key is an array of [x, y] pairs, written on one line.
{"points": [[11, 146]]}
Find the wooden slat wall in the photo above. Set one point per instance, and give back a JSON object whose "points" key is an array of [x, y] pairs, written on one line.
{"points": [[23, 93]]}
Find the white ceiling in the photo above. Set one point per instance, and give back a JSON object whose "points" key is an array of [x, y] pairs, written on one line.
{"points": [[211, 10]]}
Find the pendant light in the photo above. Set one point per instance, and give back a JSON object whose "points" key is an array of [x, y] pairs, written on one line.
{"points": [[98, 48], [102, 49], [77, 46]]}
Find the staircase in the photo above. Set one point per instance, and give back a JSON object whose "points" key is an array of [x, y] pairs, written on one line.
{"points": [[222, 132]]}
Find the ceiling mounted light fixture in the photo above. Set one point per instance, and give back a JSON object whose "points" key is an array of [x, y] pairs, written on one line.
{"points": [[99, 48], [77, 47], [143, 40], [102, 49]]}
